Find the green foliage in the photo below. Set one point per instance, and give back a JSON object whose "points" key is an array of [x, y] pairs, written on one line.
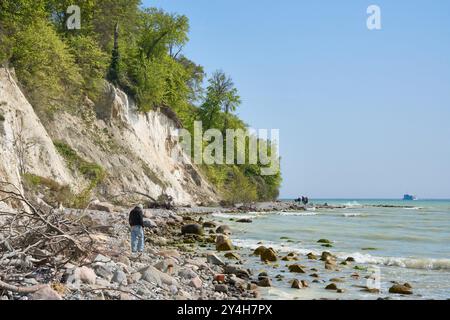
{"points": [[53, 193], [45, 67], [92, 62], [161, 32], [221, 96], [239, 188], [139, 50], [91, 171]]}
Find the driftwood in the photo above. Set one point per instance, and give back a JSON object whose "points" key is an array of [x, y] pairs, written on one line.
{"points": [[35, 237], [24, 290]]}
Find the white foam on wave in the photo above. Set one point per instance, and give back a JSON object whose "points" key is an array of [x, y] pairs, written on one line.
{"points": [[353, 204], [353, 214], [253, 244], [413, 208], [410, 263], [299, 213], [233, 216]]}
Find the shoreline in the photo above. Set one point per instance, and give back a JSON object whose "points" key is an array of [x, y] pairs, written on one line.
{"points": [[189, 255]]}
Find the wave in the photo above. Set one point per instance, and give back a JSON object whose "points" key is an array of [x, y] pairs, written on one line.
{"points": [[353, 214], [402, 262], [299, 213], [409, 263], [413, 208], [234, 216], [353, 204]]}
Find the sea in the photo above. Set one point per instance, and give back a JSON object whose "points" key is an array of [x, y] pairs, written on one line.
{"points": [[401, 241]]}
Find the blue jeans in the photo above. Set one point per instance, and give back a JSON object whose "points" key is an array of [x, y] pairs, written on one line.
{"points": [[137, 239]]}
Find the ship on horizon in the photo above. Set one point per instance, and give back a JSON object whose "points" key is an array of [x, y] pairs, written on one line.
{"points": [[409, 197]]}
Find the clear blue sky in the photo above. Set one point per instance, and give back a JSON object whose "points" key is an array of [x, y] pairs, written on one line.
{"points": [[361, 113]]}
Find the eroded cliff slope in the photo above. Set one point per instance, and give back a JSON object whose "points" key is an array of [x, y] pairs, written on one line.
{"points": [[134, 150]]}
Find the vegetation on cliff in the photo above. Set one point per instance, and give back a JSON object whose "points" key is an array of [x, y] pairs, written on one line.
{"points": [[139, 50]]}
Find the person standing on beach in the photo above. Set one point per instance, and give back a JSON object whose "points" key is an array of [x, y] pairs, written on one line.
{"points": [[136, 220]]}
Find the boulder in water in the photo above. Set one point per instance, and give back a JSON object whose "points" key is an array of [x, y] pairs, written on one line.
{"points": [[401, 289], [295, 268], [269, 255]]}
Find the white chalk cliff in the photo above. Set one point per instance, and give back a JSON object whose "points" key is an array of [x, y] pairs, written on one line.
{"points": [[136, 149]]}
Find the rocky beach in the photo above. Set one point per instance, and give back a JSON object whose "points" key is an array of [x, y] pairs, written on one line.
{"points": [[190, 254]]}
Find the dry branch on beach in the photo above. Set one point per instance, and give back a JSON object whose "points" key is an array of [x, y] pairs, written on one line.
{"points": [[35, 236]]}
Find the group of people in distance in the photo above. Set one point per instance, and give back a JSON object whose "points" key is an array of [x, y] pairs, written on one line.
{"points": [[302, 199]]}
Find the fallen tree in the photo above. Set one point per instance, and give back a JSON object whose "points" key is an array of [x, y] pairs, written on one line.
{"points": [[36, 236]]}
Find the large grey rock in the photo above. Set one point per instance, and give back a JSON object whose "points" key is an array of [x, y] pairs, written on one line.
{"points": [[192, 229], [149, 223], [104, 272], [237, 270], [223, 243], [186, 273], [46, 293], [120, 278], [224, 229], [214, 259], [154, 276], [86, 275], [102, 206]]}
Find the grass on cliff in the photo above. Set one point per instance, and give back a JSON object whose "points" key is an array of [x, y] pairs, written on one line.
{"points": [[92, 172], [53, 193]]}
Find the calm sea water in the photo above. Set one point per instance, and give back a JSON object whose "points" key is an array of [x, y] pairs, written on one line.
{"points": [[407, 244]]}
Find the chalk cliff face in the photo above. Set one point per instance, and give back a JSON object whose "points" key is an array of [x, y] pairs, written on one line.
{"points": [[135, 149], [24, 142]]}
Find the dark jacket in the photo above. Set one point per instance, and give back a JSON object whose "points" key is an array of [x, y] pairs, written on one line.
{"points": [[136, 217]]}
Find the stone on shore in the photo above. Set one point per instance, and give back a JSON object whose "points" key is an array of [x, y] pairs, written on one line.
{"points": [[237, 270], [169, 253], [196, 283], [86, 275], [311, 256], [152, 275], [401, 289], [325, 241], [104, 272], [209, 224], [331, 286], [223, 243], [102, 206], [269, 255], [214, 260], [46, 293], [192, 229], [325, 255], [295, 268], [296, 284], [265, 282], [187, 273], [258, 251], [120, 278], [350, 259], [150, 224], [232, 256], [244, 221], [224, 229], [221, 288]]}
